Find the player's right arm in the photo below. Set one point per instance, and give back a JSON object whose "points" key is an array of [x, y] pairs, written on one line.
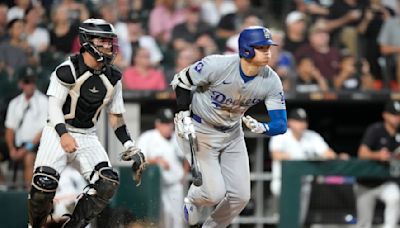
{"points": [[61, 81], [276, 108], [182, 84], [198, 74]]}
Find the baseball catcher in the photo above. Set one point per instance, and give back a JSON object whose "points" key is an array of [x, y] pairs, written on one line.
{"points": [[79, 89]]}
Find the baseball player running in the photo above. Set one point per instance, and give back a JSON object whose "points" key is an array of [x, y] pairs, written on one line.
{"points": [[79, 88], [223, 88]]}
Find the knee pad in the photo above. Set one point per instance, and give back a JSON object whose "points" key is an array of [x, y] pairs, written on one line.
{"points": [[44, 186], [45, 179], [108, 181]]}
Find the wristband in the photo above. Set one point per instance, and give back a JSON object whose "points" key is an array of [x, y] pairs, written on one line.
{"points": [[128, 144], [61, 129], [122, 134]]}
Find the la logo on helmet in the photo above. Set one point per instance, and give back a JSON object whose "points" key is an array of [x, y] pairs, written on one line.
{"points": [[267, 34]]}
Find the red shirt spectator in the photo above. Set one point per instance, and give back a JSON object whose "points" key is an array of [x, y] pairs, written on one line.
{"points": [[325, 58], [142, 76], [163, 18]]}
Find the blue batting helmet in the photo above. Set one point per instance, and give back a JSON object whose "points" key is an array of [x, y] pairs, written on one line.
{"points": [[251, 37]]}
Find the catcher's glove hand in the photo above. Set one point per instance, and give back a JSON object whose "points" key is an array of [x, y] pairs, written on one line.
{"points": [[139, 162]]}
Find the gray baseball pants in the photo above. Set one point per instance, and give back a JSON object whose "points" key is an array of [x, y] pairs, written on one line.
{"points": [[224, 164]]}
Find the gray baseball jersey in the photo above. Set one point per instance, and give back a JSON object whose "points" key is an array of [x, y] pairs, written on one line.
{"points": [[230, 97], [220, 98]]}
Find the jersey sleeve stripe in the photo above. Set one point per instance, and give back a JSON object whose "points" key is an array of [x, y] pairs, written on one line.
{"points": [[189, 78]]}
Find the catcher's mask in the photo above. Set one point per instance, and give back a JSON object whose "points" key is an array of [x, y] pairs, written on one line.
{"points": [[98, 37]]}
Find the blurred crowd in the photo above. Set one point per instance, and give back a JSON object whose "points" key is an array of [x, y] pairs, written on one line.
{"points": [[324, 45]]}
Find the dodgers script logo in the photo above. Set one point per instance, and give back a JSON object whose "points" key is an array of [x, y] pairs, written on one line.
{"points": [[221, 101]]}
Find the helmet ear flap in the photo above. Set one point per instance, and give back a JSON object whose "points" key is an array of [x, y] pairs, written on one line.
{"points": [[248, 52]]}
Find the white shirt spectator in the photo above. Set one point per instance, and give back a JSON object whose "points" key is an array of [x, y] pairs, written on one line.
{"points": [[153, 145], [38, 39], [34, 119], [15, 12], [211, 14], [310, 146], [147, 42]]}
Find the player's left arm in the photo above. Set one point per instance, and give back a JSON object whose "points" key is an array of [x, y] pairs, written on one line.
{"points": [[276, 107], [117, 122], [115, 116]]}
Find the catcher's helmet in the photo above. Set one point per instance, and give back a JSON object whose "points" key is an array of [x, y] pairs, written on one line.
{"points": [[251, 37], [97, 28]]}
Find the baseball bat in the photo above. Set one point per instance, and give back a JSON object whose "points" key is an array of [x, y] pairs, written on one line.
{"points": [[197, 177]]}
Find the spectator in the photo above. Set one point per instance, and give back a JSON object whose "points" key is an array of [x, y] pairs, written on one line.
{"points": [[18, 10], [38, 38], [141, 9], [121, 29], [142, 75], [296, 34], [163, 18], [298, 143], [193, 30], [309, 78], [123, 8], [3, 21], [137, 38], [325, 57], [353, 75], [77, 12], [282, 61], [25, 119], [374, 15], [343, 18], [317, 8], [185, 57], [213, 10], [160, 147], [229, 24], [379, 142], [63, 31], [313, 8], [389, 41], [15, 52]]}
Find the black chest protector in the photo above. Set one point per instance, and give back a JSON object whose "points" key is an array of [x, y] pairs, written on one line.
{"points": [[90, 91]]}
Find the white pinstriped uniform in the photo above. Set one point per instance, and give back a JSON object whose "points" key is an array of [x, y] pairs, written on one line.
{"points": [[90, 152]]}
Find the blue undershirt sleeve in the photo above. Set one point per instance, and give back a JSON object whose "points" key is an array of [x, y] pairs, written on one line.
{"points": [[278, 123]]}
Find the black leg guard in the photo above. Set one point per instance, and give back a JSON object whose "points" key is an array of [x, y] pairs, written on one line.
{"points": [[40, 199], [92, 202]]}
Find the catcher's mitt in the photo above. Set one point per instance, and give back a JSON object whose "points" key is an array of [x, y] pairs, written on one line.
{"points": [[139, 162]]}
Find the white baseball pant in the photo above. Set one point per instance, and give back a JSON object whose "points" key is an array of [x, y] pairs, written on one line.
{"points": [[90, 152]]}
